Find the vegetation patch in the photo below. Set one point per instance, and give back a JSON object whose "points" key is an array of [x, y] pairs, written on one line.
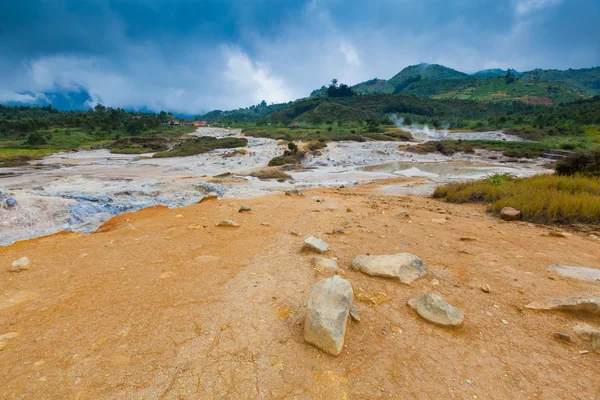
{"points": [[202, 145], [548, 199], [291, 156], [270, 173], [587, 164], [139, 145]]}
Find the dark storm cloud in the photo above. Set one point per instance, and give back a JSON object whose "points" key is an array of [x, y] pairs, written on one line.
{"points": [[191, 56]]}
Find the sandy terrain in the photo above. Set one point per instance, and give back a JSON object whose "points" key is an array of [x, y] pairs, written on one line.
{"points": [[156, 306]]}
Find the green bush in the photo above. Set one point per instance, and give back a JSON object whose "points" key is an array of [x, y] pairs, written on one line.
{"points": [[580, 163]]}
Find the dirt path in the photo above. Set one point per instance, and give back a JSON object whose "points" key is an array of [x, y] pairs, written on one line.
{"points": [[156, 306]]}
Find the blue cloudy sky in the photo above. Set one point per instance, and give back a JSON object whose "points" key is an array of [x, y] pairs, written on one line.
{"points": [[193, 56]]}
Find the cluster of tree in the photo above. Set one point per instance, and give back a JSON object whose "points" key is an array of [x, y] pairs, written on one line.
{"points": [[342, 90], [23, 119]]}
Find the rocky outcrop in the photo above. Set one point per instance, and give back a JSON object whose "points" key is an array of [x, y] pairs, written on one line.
{"points": [[583, 273], [404, 266], [327, 313], [436, 310]]}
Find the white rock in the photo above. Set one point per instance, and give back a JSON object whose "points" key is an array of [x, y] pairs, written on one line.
{"points": [[327, 314], [404, 266], [589, 304], [434, 309], [227, 222], [583, 273], [20, 264], [317, 245]]}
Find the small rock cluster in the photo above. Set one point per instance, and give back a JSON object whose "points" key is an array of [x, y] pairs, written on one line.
{"points": [[329, 303]]}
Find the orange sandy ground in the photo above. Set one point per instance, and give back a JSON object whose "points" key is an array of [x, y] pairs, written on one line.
{"points": [[156, 306]]}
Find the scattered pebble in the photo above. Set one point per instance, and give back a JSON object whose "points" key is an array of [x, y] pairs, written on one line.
{"points": [[354, 314], [227, 222], [485, 288], [564, 337], [317, 245], [296, 232], [245, 208]]}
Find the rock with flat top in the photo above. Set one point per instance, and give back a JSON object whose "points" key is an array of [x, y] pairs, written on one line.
{"points": [[317, 245], [576, 272], [510, 214], [228, 223], [326, 265], [245, 208], [436, 310], [293, 192], [296, 232], [404, 266], [327, 313], [20, 265], [589, 305], [10, 203]]}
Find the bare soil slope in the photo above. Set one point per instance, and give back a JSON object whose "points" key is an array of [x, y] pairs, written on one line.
{"points": [[155, 305]]}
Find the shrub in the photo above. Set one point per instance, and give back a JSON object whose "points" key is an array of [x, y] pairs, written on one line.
{"points": [[36, 139], [580, 163]]}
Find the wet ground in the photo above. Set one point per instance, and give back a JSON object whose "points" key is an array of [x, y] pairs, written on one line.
{"points": [[80, 190]]}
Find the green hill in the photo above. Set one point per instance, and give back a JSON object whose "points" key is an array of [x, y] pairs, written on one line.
{"points": [[494, 73], [436, 81], [585, 80]]}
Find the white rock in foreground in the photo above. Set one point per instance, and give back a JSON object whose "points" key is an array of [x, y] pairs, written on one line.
{"points": [[227, 222], [327, 314], [317, 245], [436, 310], [404, 266], [20, 264]]}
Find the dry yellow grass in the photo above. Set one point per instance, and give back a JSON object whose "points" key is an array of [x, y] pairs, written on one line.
{"points": [[548, 199]]}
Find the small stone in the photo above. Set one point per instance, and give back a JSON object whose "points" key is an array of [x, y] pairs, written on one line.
{"points": [[228, 223], [439, 221], [470, 382], [404, 266], [319, 199], [245, 208], [296, 232], [403, 215], [179, 216], [485, 288], [505, 322], [396, 329], [20, 265], [293, 192], [265, 224], [510, 214], [348, 209], [564, 337], [557, 234], [327, 314], [10, 202], [436, 310], [317, 245], [354, 314], [468, 239], [339, 231], [327, 265], [209, 196]]}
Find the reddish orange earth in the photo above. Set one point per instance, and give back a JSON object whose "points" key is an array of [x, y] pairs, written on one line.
{"points": [[162, 304]]}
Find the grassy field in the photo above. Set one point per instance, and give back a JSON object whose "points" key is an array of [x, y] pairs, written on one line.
{"points": [[16, 150], [327, 132], [548, 199]]}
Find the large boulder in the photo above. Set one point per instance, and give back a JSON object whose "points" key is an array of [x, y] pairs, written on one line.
{"points": [[510, 214], [436, 310], [327, 314], [404, 266], [589, 305]]}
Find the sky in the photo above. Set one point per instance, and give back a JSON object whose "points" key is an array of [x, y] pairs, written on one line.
{"points": [[194, 56]]}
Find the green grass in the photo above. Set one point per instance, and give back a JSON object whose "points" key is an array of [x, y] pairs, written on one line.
{"points": [[14, 150], [201, 145], [548, 199], [139, 145]]}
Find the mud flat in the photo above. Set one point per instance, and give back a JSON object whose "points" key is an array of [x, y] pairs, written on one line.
{"points": [[80, 190]]}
